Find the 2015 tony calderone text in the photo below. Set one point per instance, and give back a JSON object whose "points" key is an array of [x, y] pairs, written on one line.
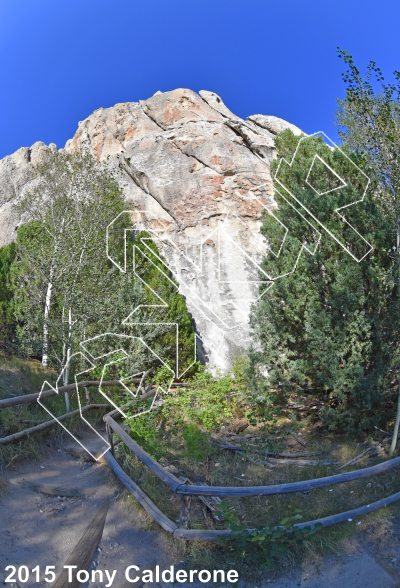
{"points": [[133, 574]]}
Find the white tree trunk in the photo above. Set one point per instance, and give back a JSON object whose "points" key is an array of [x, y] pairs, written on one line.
{"points": [[45, 350], [67, 359]]}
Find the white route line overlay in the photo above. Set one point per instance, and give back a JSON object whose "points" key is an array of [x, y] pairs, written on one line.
{"points": [[194, 295]]}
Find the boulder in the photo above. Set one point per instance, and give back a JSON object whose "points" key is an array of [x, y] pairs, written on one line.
{"points": [[273, 124], [196, 177]]}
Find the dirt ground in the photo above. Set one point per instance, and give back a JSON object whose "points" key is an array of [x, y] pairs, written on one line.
{"points": [[37, 529]]}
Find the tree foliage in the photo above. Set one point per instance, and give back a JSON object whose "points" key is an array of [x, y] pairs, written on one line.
{"points": [[7, 326], [328, 327], [369, 123], [63, 287]]}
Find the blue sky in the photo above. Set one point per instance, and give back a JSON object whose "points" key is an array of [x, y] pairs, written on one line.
{"points": [[59, 61]]}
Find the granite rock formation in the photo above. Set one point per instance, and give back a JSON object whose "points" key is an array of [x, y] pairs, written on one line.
{"points": [[198, 178]]}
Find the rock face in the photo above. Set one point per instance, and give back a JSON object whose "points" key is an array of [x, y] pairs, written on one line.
{"points": [[17, 173], [198, 178]]}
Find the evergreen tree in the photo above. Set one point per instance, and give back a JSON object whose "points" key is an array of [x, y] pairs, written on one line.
{"points": [[328, 326], [369, 123], [7, 323]]}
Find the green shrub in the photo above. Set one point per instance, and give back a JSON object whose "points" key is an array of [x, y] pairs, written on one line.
{"points": [[209, 401], [264, 546], [143, 431], [196, 442]]}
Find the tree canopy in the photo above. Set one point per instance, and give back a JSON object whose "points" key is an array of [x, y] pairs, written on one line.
{"points": [[328, 326]]}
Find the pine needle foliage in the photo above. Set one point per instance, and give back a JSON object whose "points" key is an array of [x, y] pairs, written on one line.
{"points": [[330, 326]]}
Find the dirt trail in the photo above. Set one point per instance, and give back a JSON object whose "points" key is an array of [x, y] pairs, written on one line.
{"points": [[43, 530]]}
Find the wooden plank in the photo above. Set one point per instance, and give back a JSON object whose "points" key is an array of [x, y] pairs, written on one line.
{"points": [[200, 534], [85, 549], [69, 388], [184, 518], [291, 487], [352, 514], [140, 496], [144, 457], [211, 535], [45, 425]]}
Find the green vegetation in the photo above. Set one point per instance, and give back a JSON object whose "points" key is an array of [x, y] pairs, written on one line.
{"points": [[7, 327], [327, 334], [265, 546], [58, 288], [209, 401], [330, 326], [369, 124], [169, 307], [19, 376]]}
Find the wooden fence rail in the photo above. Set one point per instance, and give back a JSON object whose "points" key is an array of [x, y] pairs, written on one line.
{"points": [[186, 491], [46, 424], [28, 398], [177, 486]]}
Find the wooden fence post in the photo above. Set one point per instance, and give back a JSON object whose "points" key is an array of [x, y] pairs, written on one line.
{"points": [[110, 438], [87, 394], [184, 519]]}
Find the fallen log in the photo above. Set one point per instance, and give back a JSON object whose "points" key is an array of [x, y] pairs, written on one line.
{"points": [[390, 435], [85, 549], [355, 459], [225, 445], [289, 458], [208, 501], [297, 438], [301, 462]]}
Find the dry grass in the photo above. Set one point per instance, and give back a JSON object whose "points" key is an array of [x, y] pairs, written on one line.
{"points": [[235, 470], [227, 468], [20, 377]]}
